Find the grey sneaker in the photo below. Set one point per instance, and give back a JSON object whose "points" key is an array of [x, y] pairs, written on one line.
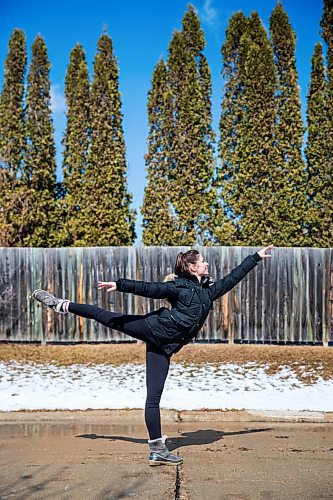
{"points": [[49, 300], [160, 455]]}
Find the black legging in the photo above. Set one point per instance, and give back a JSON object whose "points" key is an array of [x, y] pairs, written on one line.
{"points": [[157, 362]]}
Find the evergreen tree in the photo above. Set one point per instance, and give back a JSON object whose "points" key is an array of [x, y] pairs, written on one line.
{"points": [[208, 221], [253, 196], [75, 144], [40, 166], [191, 138], [232, 115], [158, 222], [327, 33], [12, 143], [319, 218], [289, 172], [107, 218], [247, 146]]}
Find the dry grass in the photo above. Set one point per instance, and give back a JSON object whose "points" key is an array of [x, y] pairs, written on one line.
{"points": [[308, 363]]}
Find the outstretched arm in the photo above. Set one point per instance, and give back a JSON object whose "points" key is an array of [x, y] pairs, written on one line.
{"points": [[223, 286], [153, 290]]}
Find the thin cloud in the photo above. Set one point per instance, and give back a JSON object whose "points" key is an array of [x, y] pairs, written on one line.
{"points": [[58, 101], [209, 14]]}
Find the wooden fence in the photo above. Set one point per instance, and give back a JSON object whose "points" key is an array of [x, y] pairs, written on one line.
{"points": [[285, 299]]}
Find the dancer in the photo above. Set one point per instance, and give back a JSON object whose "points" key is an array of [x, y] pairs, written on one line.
{"points": [[165, 331]]}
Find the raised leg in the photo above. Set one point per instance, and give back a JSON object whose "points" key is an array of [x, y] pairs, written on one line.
{"points": [[133, 325]]}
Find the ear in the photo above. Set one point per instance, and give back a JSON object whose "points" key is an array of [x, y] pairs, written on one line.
{"points": [[193, 268]]}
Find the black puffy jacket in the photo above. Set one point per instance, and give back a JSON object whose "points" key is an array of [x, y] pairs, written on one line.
{"points": [[190, 301]]}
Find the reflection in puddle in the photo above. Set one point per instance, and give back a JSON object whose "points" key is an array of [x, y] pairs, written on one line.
{"points": [[49, 430], [63, 430]]}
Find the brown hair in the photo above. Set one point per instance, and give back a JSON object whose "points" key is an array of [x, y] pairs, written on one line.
{"points": [[184, 260]]}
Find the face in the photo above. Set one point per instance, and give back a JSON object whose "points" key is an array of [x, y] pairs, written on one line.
{"points": [[200, 268]]}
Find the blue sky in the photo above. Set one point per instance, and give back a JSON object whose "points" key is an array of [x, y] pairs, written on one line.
{"points": [[141, 32]]}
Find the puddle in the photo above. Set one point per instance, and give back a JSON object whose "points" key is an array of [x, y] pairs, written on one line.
{"points": [[62, 431]]}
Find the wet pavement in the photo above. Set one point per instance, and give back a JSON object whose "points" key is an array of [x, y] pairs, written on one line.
{"points": [[103, 455]]}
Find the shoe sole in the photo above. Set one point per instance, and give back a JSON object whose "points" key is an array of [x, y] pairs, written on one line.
{"points": [[33, 295], [153, 463]]}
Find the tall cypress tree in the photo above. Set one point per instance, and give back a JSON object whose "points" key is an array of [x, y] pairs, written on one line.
{"points": [[327, 34], [191, 162], [75, 143], [247, 132], [158, 222], [253, 194], [40, 165], [12, 143], [289, 172], [107, 218], [207, 220], [319, 217], [232, 115]]}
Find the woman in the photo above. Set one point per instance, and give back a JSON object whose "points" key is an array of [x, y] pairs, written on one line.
{"points": [[165, 331]]}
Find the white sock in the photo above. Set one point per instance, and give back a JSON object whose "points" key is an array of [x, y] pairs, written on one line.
{"points": [[62, 307], [154, 440], [162, 438]]}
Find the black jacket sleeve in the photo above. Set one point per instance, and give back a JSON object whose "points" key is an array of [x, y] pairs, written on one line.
{"points": [[223, 286], [153, 290]]}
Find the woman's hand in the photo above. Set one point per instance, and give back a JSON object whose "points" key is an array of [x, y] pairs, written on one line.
{"points": [[111, 286], [263, 253]]}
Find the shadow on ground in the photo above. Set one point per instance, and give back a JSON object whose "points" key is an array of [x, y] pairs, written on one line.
{"points": [[199, 437]]}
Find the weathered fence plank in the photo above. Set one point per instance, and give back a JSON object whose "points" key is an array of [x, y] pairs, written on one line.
{"points": [[285, 299]]}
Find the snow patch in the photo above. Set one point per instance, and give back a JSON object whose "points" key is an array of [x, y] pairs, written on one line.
{"points": [[32, 386]]}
